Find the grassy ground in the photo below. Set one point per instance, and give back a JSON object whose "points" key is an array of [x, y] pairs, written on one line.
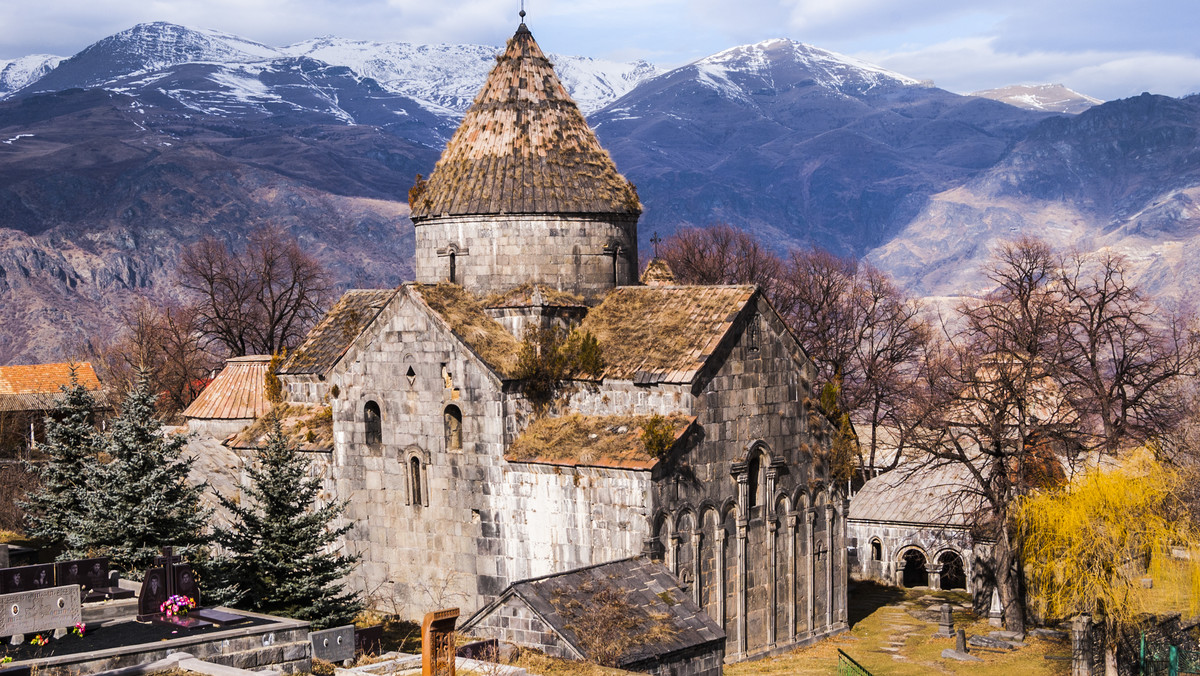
{"points": [[887, 638]]}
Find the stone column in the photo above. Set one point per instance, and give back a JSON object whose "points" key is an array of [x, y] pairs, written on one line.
{"points": [[792, 524], [697, 535], [672, 552], [843, 589], [935, 575], [1081, 646], [720, 558], [772, 593], [829, 566], [811, 567], [741, 586]]}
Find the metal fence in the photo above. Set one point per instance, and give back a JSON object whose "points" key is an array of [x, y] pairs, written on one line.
{"points": [[848, 667], [1166, 660]]}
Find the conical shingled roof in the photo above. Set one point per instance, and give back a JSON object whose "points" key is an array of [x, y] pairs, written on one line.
{"points": [[524, 148]]}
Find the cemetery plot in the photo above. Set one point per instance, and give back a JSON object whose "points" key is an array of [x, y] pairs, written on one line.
{"points": [[41, 610]]}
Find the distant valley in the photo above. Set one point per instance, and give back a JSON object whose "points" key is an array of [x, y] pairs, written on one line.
{"points": [[114, 159]]}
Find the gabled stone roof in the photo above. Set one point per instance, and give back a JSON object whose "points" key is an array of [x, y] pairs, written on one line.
{"points": [[523, 148], [920, 494], [646, 593], [594, 441], [329, 340], [237, 393], [663, 334]]}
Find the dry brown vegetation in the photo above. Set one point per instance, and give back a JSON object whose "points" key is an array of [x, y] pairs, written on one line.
{"points": [[576, 438], [307, 427], [523, 295], [467, 319], [607, 626]]}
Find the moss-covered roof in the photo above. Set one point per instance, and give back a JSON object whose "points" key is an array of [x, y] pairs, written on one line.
{"points": [[467, 319], [598, 441], [658, 273], [308, 427], [526, 294], [523, 148], [663, 334], [329, 340]]}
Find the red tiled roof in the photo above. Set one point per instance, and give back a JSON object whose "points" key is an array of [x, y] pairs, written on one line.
{"points": [[524, 148], [237, 393], [45, 378]]}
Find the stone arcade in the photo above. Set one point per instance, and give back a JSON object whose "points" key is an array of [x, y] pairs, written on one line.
{"points": [[458, 487]]}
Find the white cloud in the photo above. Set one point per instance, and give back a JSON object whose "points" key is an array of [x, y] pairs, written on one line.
{"points": [[967, 65]]}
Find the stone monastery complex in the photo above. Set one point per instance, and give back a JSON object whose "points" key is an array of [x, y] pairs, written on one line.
{"points": [[460, 484]]}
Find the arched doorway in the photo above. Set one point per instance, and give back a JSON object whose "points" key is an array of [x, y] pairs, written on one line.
{"points": [[915, 574], [953, 574]]}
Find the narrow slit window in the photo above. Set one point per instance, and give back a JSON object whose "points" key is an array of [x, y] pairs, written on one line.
{"points": [[453, 419], [374, 424], [414, 464]]}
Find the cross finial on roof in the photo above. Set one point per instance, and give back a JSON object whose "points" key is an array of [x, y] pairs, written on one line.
{"points": [[656, 240], [522, 15]]}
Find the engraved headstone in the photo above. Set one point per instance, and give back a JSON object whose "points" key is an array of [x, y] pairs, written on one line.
{"points": [[437, 643], [170, 577], [960, 641], [26, 578], [153, 595], [39, 610], [333, 645], [996, 611]]}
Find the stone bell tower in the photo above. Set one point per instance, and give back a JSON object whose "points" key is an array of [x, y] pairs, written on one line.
{"points": [[524, 193]]}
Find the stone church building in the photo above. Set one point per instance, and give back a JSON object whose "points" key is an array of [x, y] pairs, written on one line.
{"points": [[460, 483]]}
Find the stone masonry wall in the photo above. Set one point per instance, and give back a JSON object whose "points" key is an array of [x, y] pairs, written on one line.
{"points": [[748, 517], [894, 539], [494, 253], [514, 622]]}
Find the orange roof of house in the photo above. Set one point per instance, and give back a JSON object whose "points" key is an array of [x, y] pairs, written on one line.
{"points": [[237, 393], [524, 148], [663, 334], [46, 378]]}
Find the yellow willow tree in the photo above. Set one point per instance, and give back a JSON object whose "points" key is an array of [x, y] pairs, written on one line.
{"points": [[1086, 546]]}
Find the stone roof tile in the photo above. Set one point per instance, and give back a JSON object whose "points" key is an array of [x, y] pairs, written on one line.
{"points": [[524, 148], [329, 340]]}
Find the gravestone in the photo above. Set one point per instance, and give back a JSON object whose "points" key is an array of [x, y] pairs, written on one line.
{"points": [[945, 622], [3, 555], [996, 611], [960, 641], [39, 610], [26, 578], [437, 643], [170, 577], [333, 645], [92, 575]]}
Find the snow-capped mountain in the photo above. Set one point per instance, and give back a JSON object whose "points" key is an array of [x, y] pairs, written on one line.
{"points": [[1053, 98], [443, 78], [747, 69], [450, 75], [18, 73]]}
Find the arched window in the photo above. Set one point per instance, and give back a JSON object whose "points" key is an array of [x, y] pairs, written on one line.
{"points": [[414, 480], [453, 419], [876, 550], [374, 424], [754, 481], [453, 267]]}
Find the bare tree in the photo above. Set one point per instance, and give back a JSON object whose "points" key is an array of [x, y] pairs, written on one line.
{"points": [[1123, 356], [721, 254], [161, 343], [258, 301]]}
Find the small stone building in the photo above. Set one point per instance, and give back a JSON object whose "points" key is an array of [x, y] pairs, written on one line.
{"points": [[696, 441], [233, 400], [631, 614], [911, 527]]}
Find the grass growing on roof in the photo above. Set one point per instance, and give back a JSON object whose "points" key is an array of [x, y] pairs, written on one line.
{"points": [[523, 295], [588, 439], [464, 313], [306, 426]]}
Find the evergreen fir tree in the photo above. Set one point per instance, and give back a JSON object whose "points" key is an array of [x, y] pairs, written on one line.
{"points": [[282, 548], [56, 511], [142, 500]]}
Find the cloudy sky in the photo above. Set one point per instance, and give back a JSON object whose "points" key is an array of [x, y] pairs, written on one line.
{"points": [[1104, 48]]}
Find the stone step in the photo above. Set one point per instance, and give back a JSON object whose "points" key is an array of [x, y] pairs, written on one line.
{"points": [[276, 656]]}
